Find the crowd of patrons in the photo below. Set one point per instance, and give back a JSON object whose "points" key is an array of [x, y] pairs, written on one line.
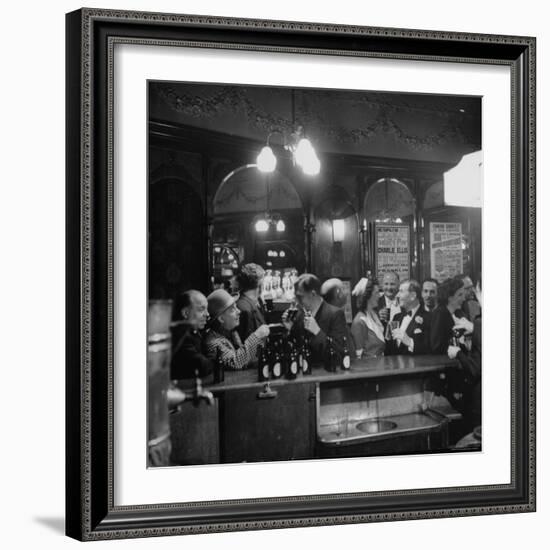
{"points": [[393, 318]]}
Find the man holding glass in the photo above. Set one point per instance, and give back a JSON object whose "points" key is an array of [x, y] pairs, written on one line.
{"points": [[388, 304], [410, 329], [316, 319]]}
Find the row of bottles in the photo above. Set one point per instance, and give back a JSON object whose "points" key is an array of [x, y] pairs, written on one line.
{"points": [[275, 287], [287, 357], [284, 357], [334, 359]]}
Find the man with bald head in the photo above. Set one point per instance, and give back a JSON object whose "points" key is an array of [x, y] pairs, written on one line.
{"points": [[332, 291], [388, 304], [188, 359]]}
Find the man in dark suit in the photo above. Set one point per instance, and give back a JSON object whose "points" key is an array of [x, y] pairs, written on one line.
{"points": [[188, 359], [412, 335], [429, 294], [316, 319], [471, 307]]}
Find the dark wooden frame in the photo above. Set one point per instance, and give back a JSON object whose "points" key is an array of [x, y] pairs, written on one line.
{"points": [[91, 514]]}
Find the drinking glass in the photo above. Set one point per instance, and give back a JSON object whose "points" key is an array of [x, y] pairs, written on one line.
{"points": [[392, 325]]}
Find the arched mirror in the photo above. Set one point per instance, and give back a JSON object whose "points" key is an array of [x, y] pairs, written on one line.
{"points": [[389, 209], [388, 200], [260, 217]]}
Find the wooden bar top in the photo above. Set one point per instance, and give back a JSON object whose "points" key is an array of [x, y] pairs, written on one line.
{"points": [[376, 367]]}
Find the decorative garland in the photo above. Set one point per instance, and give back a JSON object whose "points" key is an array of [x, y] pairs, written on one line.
{"points": [[232, 99]]}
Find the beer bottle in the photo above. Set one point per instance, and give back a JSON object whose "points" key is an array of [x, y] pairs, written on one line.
{"points": [[277, 366], [263, 364], [346, 359], [330, 357], [292, 365], [306, 356], [457, 335], [299, 352], [219, 367]]}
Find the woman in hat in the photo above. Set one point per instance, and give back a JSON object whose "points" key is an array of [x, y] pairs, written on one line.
{"points": [[222, 341]]}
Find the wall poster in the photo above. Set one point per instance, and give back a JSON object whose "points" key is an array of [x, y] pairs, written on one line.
{"points": [[445, 250], [393, 250]]}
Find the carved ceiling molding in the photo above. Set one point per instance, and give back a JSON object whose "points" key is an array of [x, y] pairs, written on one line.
{"points": [[233, 100]]}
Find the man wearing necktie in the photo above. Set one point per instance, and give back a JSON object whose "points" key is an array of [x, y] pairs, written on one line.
{"points": [[411, 336]]}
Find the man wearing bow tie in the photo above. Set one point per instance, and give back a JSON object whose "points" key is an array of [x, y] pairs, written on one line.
{"points": [[411, 336]]}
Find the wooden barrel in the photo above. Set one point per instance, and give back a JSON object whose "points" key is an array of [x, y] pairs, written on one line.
{"points": [[158, 371]]}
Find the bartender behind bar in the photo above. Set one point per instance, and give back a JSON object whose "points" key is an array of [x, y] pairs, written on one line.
{"points": [[316, 320]]}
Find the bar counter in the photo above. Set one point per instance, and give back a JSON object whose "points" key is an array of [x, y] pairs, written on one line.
{"points": [[320, 415], [375, 367]]}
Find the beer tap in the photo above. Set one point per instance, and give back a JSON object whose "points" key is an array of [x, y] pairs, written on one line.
{"points": [[176, 396], [199, 393]]}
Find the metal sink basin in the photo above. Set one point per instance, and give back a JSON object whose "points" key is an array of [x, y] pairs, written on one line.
{"points": [[357, 430], [376, 426]]}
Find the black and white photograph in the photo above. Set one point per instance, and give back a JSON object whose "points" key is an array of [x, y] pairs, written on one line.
{"points": [[300, 275], [270, 275], [314, 261]]}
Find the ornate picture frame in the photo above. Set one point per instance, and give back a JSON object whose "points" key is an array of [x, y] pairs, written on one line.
{"points": [[90, 365]]}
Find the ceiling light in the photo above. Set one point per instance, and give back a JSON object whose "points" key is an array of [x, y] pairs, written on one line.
{"points": [[261, 226], [266, 160], [298, 145]]}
